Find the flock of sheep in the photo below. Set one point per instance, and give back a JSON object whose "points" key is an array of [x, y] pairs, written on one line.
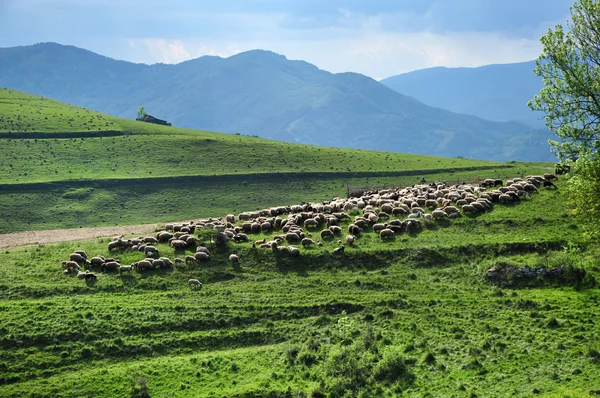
{"points": [[388, 212]]}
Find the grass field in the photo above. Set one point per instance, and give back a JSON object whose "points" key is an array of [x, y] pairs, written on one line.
{"points": [[414, 316]]}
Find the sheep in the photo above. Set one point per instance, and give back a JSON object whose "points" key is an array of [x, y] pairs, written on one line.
{"points": [[379, 227], [241, 237], [67, 265], [164, 236], [234, 258], [230, 218], [549, 184], [310, 222], [439, 214], [292, 237], [152, 249], [90, 276], [468, 209], [195, 284], [338, 250], [550, 177], [354, 229], [350, 240], [78, 258], [505, 198], [203, 249], [142, 265], [179, 260], [113, 245], [97, 260], [110, 266], [293, 250], [150, 239], [125, 268], [167, 261], [81, 253], [81, 274], [202, 256], [190, 260], [386, 233], [158, 263], [326, 233], [335, 229], [307, 242]]}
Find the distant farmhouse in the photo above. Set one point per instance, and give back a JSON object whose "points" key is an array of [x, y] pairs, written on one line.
{"points": [[151, 119]]}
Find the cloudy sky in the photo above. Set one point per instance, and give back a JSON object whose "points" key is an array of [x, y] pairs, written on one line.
{"points": [[378, 38]]}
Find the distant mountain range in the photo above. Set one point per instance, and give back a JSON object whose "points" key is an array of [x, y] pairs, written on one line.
{"points": [[262, 93], [493, 92]]}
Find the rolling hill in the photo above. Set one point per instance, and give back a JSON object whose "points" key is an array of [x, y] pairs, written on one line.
{"points": [[264, 94], [78, 167], [493, 92]]}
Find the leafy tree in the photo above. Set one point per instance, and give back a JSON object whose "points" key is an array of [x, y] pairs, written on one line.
{"points": [[141, 112], [570, 69]]}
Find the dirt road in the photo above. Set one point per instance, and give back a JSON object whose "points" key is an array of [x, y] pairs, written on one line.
{"points": [[61, 235]]}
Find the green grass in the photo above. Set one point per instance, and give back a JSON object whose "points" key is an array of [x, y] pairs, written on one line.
{"points": [[414, 315]]}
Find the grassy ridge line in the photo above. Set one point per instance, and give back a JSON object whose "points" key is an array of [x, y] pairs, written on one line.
{"points": [[52, 135], [104, 183]]}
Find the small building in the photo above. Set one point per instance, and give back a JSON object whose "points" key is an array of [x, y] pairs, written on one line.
{"points": [[151, 119]]}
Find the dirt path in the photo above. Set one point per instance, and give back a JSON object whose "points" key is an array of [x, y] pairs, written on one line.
{"points": [[61, 235]]}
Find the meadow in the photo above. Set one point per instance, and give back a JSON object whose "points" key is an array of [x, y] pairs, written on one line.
{"points": [[415, 316]]}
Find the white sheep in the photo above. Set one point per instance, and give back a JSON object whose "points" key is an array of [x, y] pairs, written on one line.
{"points": [[195, 283]]}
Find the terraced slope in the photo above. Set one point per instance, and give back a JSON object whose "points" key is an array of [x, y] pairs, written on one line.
{"points": [[79, 168], [412, 316]]}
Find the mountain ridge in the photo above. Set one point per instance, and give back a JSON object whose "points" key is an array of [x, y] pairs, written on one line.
{"points": [[263, 93]]}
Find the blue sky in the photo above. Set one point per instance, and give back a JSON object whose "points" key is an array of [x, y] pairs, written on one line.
{"points": [[378, 38]]}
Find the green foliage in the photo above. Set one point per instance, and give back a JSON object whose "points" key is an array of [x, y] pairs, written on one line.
{"points": [[584, 194], [141, 112], [570, 69]]}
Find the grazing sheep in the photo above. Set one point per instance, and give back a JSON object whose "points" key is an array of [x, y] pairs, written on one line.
{"points": [[292, 237], [326, 233], [202, 256], [142, 265], [195, 284], [110, 266], [307, 242], [71, 265], [338, 250], [350, 240], [230, 218], [164, 236], [150, 239], [386, 233], [78, 258], [293, 250], [454, 215], [97, 261], [90, 276], [549, 184], [190, 260], [81, 274], [125, 268], [505, 198], [469, 209], [335, 229], [81, 253], [241, 237], [158, 263], [354, 229], [310, 222], [379, 227], [179, 260], [439, 214], [550, 177], [203, 249], [234, 258], [167, 261]]}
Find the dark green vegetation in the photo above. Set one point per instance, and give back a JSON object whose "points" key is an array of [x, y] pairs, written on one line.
{"points": [[412, 316], [262, 93], [75, 175], [493, 92]]}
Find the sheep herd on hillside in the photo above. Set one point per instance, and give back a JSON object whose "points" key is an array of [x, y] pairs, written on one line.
{"points": [[386, 212]]}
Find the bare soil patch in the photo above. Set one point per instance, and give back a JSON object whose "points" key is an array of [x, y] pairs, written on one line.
{"points": [[61, 235]]}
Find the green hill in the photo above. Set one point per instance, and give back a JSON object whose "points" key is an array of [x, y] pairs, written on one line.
{"points": [[264, 94], [492, 92], [136, 165]]}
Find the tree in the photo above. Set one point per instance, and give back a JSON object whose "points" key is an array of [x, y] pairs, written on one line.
{"points": [[570, 69], [141, 112]]}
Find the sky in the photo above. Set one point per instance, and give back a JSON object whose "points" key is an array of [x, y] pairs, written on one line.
{"points": [[378, 38]]}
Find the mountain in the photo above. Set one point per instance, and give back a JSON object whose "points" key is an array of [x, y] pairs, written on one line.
{"points": [[262, 93], [493, 92]]}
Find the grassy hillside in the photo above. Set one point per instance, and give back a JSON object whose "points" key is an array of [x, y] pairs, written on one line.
{"points": [[138, 172], [412, 316], [262, 93]]}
